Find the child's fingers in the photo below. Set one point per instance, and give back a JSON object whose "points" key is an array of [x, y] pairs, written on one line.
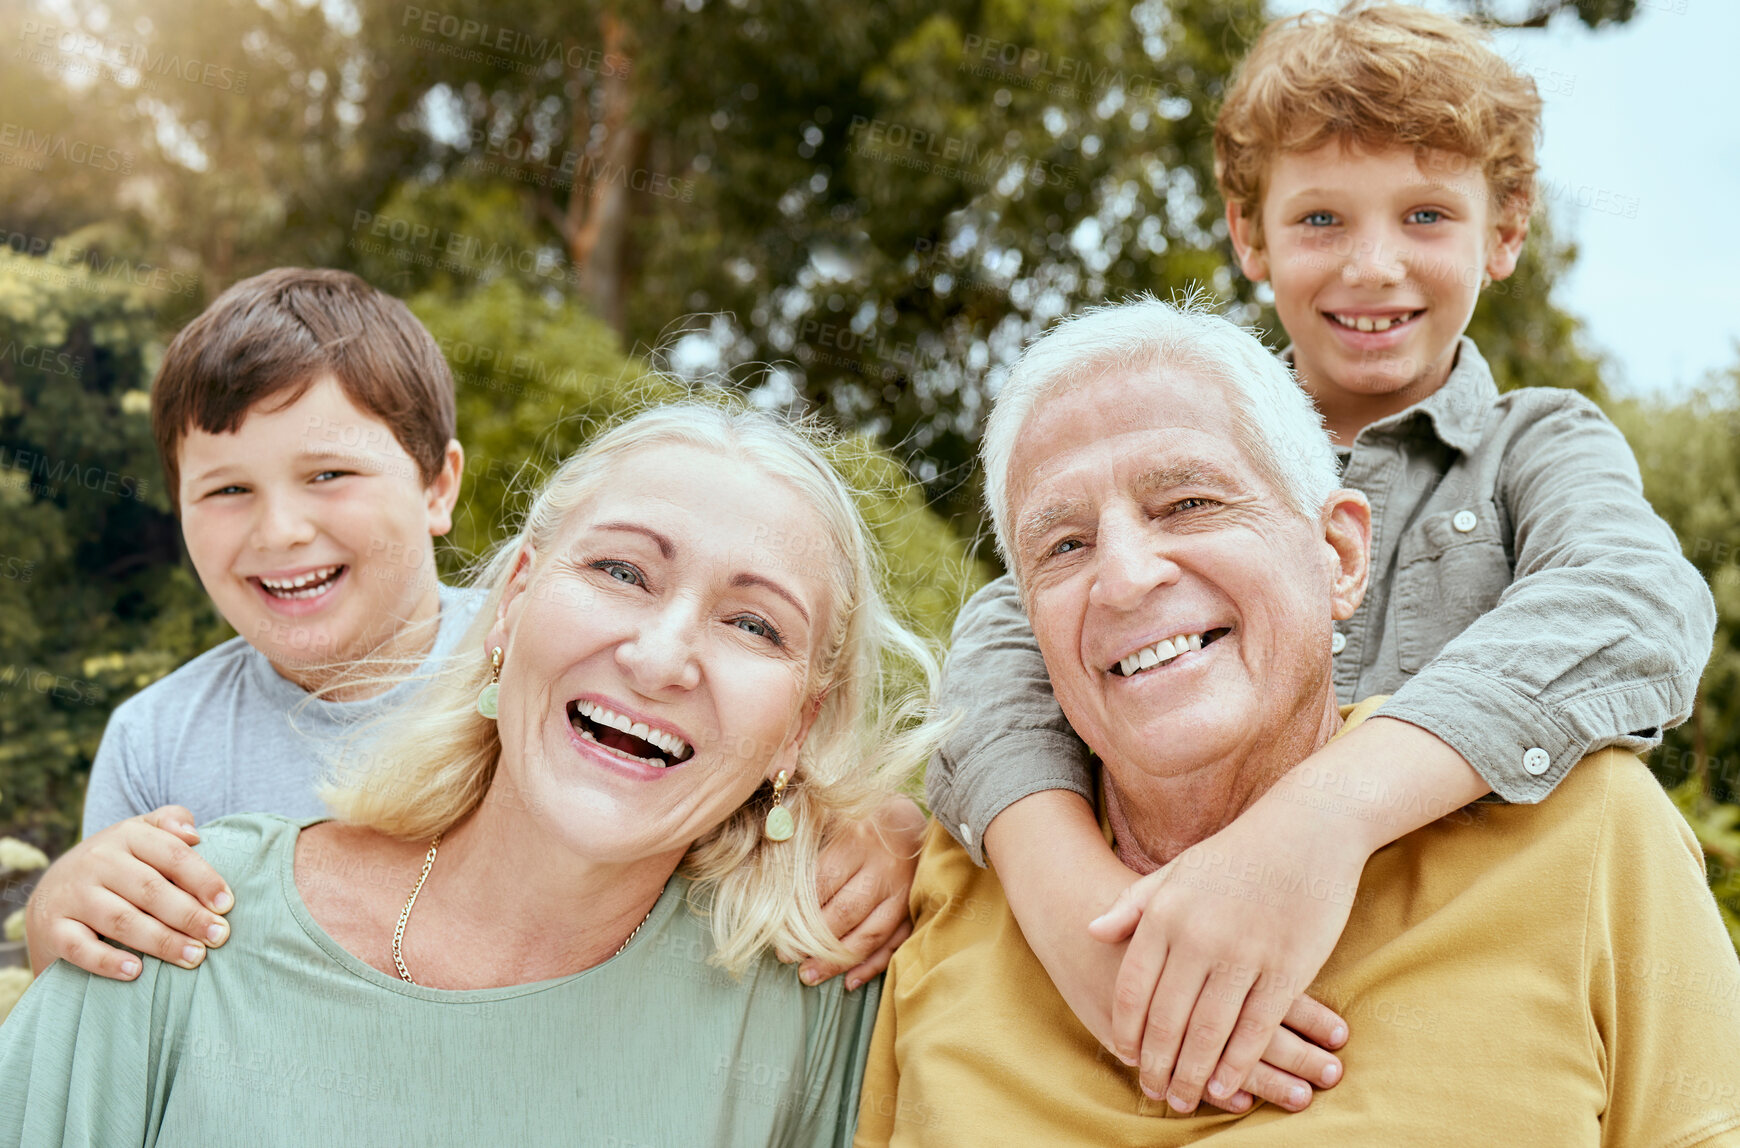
{"points": [[850, 904], [1293, 1054], [1133, 992], [77, 945], [145, 887], [1238, 1102], [1317, 1023], [877, 963], [113, 917], [1279, 1088], [171, 859], [1253, 1032], [1118, 922], [862, 942], [1221, 1011], [176, 819]]}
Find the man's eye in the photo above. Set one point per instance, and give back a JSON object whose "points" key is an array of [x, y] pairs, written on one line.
{"points": [[1425, 215], [1191, 504], [1067, 546], [621, 571], [1319, 219]]}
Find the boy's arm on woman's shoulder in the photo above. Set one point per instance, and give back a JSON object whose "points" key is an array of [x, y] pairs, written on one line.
{"points": [[1012, 739], [1603, 633]]}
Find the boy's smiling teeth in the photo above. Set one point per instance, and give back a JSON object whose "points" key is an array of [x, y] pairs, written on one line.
{"points": [[1371, 323], [309, 585], [1163, 651], [626, 736]]}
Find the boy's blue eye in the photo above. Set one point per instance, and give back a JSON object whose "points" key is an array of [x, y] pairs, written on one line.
{"points": [[231, 490], [1418, 216], [1319, 219], [329, 475]]}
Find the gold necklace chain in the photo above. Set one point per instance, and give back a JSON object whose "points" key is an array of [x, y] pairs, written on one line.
{"points": [[428, 864]]}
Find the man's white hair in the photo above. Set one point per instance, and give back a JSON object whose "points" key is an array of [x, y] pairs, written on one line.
{"points": [[1274, 421]]}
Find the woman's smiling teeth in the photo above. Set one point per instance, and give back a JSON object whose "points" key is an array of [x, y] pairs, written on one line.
{"points": [[626, 736], [309, 585], [1163, 651], [1372, 323]]}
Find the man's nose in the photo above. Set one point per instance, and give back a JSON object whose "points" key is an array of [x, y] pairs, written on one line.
{"points": [[663, 651], [1132, 562], [281, 524]]}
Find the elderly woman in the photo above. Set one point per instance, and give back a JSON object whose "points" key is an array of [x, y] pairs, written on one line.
{"points": [[1551, 974], [548, 911]]}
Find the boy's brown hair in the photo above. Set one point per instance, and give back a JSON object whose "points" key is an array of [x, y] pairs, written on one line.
{"points": [[268, 339], [1377, 76]]}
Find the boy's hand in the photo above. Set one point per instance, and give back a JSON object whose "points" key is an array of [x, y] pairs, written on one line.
{"points": [[136, 882], [864, 881], [1227, 936]]}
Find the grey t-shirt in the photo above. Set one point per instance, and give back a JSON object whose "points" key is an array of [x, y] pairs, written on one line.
{"points": [[227, 734]]}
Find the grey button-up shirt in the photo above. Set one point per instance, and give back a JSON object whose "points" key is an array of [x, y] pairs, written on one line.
{"points": [[1526, 605]]}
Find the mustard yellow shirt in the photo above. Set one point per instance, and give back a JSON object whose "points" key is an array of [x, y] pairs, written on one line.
{"points": [[1552, 974]]}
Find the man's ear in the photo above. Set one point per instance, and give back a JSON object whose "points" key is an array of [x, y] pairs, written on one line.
{"points": [[1252, 260], [1504, 248], [442, 494], [512, 598], [1347, 531]]}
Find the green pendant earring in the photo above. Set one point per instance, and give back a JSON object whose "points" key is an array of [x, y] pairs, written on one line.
{"points": [[779, 826], [486, 696]]}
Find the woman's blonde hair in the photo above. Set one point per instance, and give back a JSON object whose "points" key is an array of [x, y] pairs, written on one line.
{"points": [[431, 763]]}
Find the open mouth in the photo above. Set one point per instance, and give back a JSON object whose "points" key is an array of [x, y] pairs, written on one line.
{"points": [[1374, 324], [304, 586], [633, 740], [1166, 651]]}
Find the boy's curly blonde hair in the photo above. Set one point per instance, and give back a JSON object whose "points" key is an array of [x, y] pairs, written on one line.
{"points": [[1378, 76]]}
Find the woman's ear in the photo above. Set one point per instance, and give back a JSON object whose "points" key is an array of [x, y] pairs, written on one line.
{"points": [[1252, 259], [786, 759], [508, 609], [1347, 531]]}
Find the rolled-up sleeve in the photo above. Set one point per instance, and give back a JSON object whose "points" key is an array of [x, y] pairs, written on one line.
{"points": [[1012, 739], [1601, 637]]}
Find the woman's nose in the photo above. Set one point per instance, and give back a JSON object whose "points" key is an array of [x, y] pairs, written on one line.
{"points": [[663, 652]]}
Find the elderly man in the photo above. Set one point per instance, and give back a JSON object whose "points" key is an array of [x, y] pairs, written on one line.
{"points": [[1542, 974]]}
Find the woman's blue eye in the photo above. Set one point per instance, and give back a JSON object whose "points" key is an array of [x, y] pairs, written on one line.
{"points": [[753, 625], [621, 571]]}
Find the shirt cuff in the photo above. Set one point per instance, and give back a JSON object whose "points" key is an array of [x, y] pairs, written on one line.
{"points": [[1516, 745], [1026, 762]]}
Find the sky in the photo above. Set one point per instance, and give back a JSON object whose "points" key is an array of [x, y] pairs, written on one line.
{"points": [[1640, 164]]}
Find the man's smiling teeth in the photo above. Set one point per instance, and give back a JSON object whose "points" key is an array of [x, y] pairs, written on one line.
{"points": [[1159, 653], [1368, 323], [670, 743], [309, 585]]}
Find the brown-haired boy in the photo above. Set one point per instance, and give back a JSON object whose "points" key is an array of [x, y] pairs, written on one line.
{"points": [[1379, 168], [305, 422]]}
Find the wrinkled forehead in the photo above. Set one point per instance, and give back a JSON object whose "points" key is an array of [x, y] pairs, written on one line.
{"points": [[1128, 420]]}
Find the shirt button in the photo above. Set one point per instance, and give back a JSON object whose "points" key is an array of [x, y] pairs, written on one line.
{"points": [[1536, 761], [966, 835], [1464, 521], [1337, 642]]}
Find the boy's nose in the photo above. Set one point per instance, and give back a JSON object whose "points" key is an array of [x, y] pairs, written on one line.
{"points": [[281, 525], [1373, 262]]}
